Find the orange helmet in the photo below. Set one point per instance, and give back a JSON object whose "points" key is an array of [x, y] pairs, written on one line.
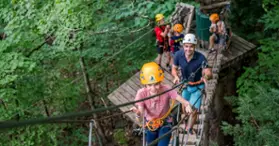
{"points": [[151, 73], [178, 28], [214, 17]]}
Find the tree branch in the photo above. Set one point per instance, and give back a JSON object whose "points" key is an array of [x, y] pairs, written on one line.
{"points": [[216, 5]]}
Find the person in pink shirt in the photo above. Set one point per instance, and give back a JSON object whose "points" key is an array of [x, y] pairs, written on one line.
{"points": [[156, 108]]}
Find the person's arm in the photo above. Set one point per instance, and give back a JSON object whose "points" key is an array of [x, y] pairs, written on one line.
{"points": [[221, 27], [174, 69], [174, 74], [207, 74], [212, 28], [139, 106], [139, 112], [164, 34], [186, 104]]}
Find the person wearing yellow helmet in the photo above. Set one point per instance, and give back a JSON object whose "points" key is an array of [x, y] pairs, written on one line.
{"points": [[152, 75], [176, 39], [161, 31], [218, 31]]}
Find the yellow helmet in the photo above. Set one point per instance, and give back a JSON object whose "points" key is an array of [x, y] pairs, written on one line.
{"points": [[178, 28], [159, 17], [151, 73], [214, 17]]}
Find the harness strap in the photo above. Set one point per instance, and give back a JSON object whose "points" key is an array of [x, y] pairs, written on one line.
{"points": [[165, 40], [154, 124], [195, 83]]}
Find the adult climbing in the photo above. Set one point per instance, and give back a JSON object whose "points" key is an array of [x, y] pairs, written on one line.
{"points": [[194, 69]]}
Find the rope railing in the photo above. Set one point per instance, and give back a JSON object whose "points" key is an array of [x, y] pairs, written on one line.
{"points": [[13, 124]]}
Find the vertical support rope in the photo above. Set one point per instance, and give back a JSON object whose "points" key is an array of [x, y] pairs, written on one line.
{"points": [[143, 131], [177, 131], [90, 132]]}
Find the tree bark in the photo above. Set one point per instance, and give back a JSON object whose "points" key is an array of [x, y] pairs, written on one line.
{"points": [[46, 109], [91, 99], [3, 103], [17, 105]]}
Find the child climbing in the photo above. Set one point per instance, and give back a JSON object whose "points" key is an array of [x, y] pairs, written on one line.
{"points": [[176, 40], [156, 111]]}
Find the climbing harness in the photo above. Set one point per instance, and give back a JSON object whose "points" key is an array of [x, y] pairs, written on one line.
{"points": [[154, 124], [193, 74]]}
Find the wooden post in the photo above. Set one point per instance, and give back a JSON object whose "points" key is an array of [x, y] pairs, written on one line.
{"points": [[216, 5], [190, 18]]}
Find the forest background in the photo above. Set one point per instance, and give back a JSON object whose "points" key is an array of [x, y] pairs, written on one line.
{"points": [[47, 45]]}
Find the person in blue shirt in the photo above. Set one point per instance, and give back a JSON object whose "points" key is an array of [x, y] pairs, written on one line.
{"points": [[195, 71]]}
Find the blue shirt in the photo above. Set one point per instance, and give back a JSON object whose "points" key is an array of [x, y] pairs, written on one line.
{"points": [[188, 68], [176, 42]]}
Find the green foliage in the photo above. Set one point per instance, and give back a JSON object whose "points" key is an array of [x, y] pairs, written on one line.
{"points": [[119, 136], [40, 59], [258, 101], [258, 116], [244, 18]]}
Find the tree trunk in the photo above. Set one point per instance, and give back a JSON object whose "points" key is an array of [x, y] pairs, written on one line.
{"points": [[3, 103], [17, 105], [91, 99], [46, 109]]}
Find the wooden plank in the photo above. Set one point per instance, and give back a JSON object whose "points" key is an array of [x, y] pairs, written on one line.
{"points": [[243, 41], [122, 99], [168, 79], [136, 81], [114, 99], [129, 89], [168, 76], [133, 85], [236, 54], [240, 46], [190, 18], [215, 5], [126, 94]]}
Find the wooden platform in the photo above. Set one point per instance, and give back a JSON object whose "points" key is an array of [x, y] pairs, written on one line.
{"points": [[127, 91]]}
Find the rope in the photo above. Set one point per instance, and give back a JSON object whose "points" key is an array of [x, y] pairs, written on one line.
{"points": [[90, 133], [13, 124], [86, 121]]}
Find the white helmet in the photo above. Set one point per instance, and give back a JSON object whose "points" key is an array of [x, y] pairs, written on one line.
{"points": [[190, 38]]}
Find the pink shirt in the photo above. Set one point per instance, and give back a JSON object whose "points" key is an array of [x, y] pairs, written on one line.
{"points": [[156, 107]]}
